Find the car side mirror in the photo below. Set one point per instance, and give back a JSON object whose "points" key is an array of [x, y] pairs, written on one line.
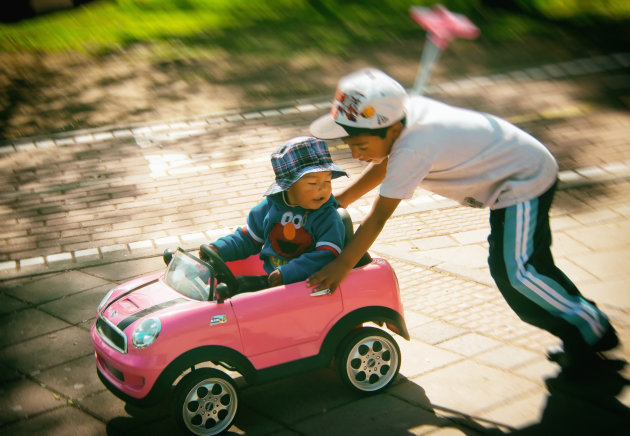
{"points": [[221, 291], [167, 256]]}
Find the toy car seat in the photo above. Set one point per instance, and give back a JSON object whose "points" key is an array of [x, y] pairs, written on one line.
{"points": [[347, 222]]}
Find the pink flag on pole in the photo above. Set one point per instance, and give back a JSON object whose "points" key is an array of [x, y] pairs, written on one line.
{"points": [[443, 25]]}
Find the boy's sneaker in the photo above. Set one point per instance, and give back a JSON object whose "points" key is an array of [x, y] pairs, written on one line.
{"points": [[581, 365], [584, 362], [607, 342], [555, 353]]}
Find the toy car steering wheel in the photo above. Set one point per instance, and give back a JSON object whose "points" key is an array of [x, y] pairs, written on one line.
{"points": [[223, 273]]}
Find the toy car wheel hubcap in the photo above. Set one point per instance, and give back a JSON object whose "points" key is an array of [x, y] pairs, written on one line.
{"points": [[209, 407], [372, 363]]}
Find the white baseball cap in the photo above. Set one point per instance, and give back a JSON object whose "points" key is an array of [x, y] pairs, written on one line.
{"points": [[365, 99]]}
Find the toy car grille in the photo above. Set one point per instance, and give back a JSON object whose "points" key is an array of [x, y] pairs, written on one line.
{"points": [[111, 334]]}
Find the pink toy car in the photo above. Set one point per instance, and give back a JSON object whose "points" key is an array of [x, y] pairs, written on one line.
{"points": [[183, 333]]}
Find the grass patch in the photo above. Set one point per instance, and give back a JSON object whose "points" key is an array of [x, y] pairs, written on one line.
{"points": [[240, 25], [278, 26]]}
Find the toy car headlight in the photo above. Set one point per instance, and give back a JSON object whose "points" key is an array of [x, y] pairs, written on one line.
{"points": [[104, 300], [146, 332]]}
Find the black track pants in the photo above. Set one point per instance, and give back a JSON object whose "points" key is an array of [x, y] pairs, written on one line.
{"points": [[522, 266]]}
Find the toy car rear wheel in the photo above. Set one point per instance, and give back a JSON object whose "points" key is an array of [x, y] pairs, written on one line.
{"points": [[205, 402], [368, 360]]}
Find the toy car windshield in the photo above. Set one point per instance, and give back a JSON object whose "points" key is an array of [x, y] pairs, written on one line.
{"points": [[189, 276]]}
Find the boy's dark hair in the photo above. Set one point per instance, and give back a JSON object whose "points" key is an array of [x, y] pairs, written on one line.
{"points": [[382, 132]]}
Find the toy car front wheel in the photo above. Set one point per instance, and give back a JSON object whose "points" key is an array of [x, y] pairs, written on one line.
{"points": [[205, 402], [368, 360]]}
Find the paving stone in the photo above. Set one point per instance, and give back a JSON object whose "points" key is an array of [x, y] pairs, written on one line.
{"points": [[47, 350], [63, 421], [414, 319], [106, 407], [507, 357], [436, 332], [26, 263], [610, 292], [23, 398], [539, 369], [470, 387], [249, 421], [281, 400], [10, 304], [8, 374], [86, 254], [471, 256], [596, 217], [577, 274], [472, 237], [608, 265], [121, 271], [39, 290], [77, 308], [565, 243], [603, 236], [431, 243], [75, 379], [418, 357], [521, 413], [382, 414], [8, 266], [26, 324], [470, 344], [124, 419]]}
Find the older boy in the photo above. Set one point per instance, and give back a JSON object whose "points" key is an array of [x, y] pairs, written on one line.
{"points": [[296, 228], [478, 160]]}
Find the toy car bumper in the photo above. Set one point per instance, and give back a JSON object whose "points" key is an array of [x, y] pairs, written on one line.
{"points": [[131, 378]]}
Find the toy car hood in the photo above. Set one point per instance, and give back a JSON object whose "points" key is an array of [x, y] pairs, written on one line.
{"points": [[144, 298]]}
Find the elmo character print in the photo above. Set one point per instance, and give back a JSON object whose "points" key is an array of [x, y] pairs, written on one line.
{"points": [[288, 238]]}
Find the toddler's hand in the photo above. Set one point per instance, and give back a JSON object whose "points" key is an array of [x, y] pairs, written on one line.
{"points": [[275, 278], [204, 257]]}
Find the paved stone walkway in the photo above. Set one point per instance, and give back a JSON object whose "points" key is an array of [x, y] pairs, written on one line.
{"points": [[95, 195], [85, 211]]}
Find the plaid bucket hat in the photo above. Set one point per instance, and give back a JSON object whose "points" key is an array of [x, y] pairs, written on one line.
{"points": [[299, 156]]}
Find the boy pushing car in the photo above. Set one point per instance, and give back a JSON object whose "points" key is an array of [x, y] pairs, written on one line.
{"points": [[478, 160]]}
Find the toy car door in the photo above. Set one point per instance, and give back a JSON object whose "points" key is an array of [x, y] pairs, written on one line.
{"points": [[284, 323]]}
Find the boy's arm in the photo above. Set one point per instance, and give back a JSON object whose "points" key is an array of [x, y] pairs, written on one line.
{"points": [[332, 274], [369, 179]]}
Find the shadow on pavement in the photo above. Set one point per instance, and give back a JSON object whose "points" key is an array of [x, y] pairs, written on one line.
{"points": [[584, 407], [315, 403], [148, 421]]}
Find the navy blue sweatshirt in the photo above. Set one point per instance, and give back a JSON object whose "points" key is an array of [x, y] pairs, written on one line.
{"points": [[294, 240]]}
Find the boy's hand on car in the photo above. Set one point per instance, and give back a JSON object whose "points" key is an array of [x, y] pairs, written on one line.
{"points": [[275, 278], [328, 277]]}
